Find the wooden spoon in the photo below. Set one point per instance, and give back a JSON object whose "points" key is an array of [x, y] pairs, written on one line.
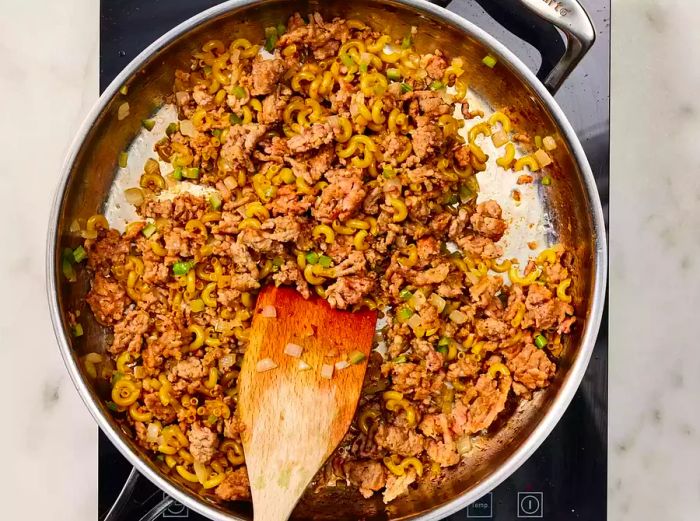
{"points": [[294, 416]]}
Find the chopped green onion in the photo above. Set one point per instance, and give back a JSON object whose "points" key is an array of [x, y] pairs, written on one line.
{"points": [[212, 419], [393, 74], [388, 172], [216, 133], [77, 330], [404, 294], [405, 87], [363, 67], [401, 359], [356, 357], [442, 350], [191, 173], [312, 257], [215, 201], [67, 265], [79, 254], [444, 341], [489, 61], [238, 91], [148, 124], [452, 199], [347, 60], [436, 85], [116, 376], [207, 71], [177, 173], [407, 41], [281, 29], [538, 141], [325, 261], [270, 39], [404, 313], [277, 262], [235, 119], [124, 90], [148, 230], [546, 180], [465, 194], [171, 128], [123, 159], [540, 341], [160, 457], [182, 267], [112, 406]]}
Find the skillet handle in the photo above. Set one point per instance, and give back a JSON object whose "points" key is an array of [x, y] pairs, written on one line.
{"points": [[571, 18]]}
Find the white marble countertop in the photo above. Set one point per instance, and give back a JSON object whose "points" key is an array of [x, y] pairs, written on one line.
{"points": [[48, 81]]}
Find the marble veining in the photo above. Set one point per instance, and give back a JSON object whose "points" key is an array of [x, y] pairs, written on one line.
{"points": [[48, 82], [655, 190]]}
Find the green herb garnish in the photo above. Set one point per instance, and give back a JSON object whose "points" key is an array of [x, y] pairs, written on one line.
{"points": [[540, 341], [79, 254], [123, 159], [182, 267], [171, 128], [149, 230], [191, 173], [489, 61]]}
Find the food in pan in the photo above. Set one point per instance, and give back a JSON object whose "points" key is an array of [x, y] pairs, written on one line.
{"points": [[342, 162]]}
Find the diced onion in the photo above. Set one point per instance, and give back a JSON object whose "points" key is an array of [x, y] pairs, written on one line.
{"points": [[227, 361], [123, 111], [464, 444], [415, 321], [327, 371], [265, 365], [303, 366], [417, 301], [341, 365], [74, 226], [181, 97], [549, 143], [152, 433], [458, 317], [542, 158], [293, 350], [438, 302], [187, 128], [268, 311], [134, 196], [499, 138]]}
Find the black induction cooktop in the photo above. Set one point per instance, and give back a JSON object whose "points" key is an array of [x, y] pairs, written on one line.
{"points": [[566, 478]]}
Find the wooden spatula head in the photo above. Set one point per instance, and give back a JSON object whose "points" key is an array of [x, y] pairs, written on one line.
{"points": [[295, 417]]}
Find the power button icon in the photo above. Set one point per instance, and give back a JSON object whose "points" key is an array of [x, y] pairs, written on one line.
{"points": [[530, 505]]}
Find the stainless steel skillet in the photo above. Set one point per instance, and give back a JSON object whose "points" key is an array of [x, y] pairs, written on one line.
{"points": [[573, 210]]}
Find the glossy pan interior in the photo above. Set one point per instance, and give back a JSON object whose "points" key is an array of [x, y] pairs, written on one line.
{"points": [[573, 208]]}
